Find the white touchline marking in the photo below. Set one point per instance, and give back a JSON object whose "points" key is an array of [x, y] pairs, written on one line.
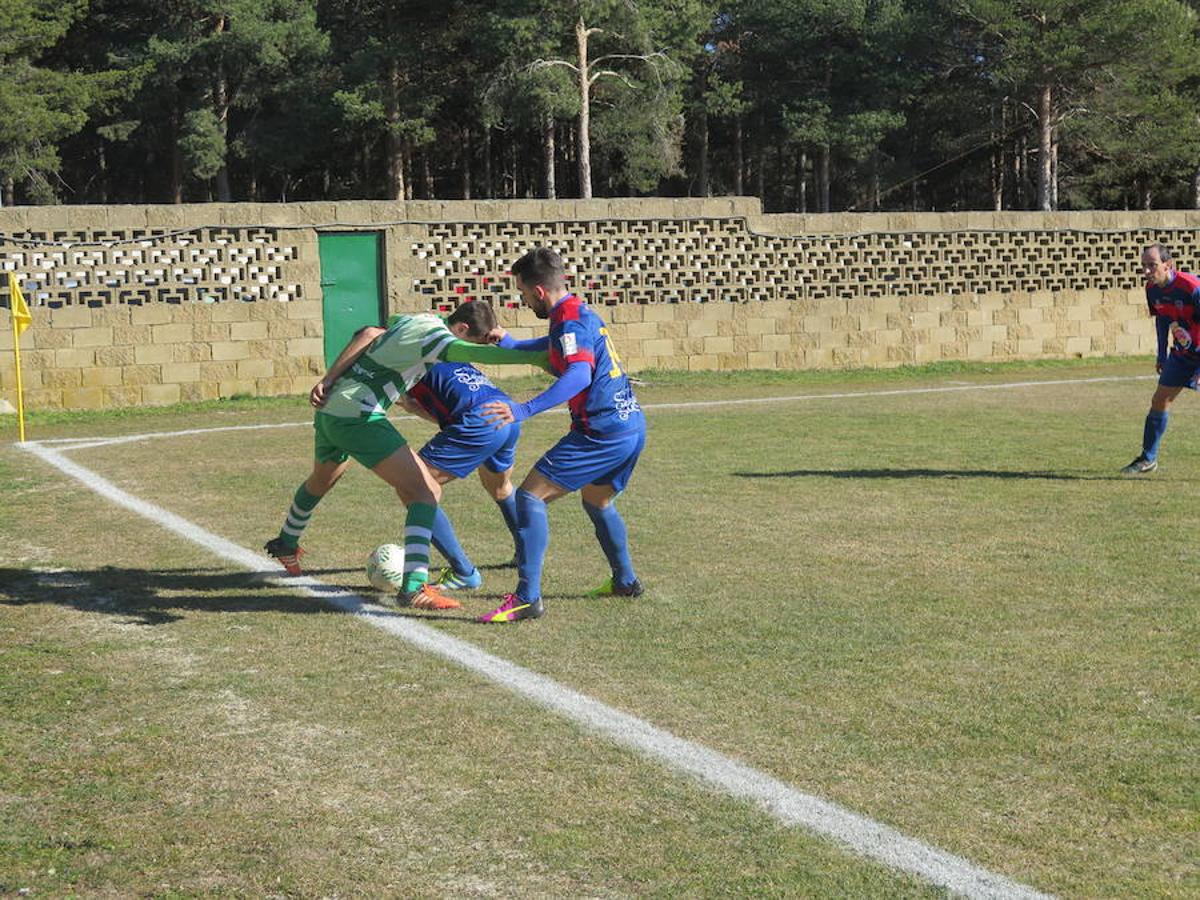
{"points": [[859, 834], [86, 443], [851, 395]]}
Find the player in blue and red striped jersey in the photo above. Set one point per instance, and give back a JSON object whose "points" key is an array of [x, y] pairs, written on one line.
{"points": [[1174, 300], [596, 457], [450, 395]]}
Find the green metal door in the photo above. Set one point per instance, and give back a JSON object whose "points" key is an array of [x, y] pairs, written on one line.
{"points": [[351, 284]]}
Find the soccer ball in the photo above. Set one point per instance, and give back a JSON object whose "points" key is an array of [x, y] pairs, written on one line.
{"points": [[385, 567]]}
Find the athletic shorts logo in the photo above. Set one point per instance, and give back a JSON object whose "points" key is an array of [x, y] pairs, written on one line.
{"points": [[568, 344]]}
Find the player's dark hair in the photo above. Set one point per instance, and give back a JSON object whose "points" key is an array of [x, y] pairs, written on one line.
{"points": [[478, 315], [1164, 252], [541, 266]]}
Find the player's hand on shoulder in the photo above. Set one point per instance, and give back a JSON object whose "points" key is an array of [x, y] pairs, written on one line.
{"points": [[497, 334]]}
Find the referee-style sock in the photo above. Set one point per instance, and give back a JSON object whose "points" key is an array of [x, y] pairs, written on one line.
{"points": [[1152, 433], [534, 539], [446, 542], [297, 518], [418, 532], [610, 531]]}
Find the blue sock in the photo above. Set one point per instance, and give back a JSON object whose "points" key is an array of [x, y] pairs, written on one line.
{"points": [[1152, 434], [446, 542], [610, 531], [508, 509], [534, 539]]}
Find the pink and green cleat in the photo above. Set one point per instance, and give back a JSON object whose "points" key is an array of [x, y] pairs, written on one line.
{"points": [[514, 609]]}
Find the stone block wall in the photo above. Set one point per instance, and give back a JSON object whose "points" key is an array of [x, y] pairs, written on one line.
{"points": [[153, 304]]}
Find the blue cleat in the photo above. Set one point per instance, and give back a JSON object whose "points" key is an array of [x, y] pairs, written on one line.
{"points": [[449, 580]]}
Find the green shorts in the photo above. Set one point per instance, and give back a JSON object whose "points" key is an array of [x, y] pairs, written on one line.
{"points": [[369, 441]]}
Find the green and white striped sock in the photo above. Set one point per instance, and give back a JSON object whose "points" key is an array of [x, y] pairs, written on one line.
{"points": [[297, 518], [418, 533]]}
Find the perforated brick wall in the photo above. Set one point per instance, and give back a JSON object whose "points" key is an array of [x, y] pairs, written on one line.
{"points": [[138, 305]]}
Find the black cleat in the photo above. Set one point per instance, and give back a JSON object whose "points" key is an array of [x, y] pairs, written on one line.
{"points": [[1140, 466]]}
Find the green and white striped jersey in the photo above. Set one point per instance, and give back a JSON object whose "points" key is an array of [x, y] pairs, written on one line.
{"points": [[391, 364]]}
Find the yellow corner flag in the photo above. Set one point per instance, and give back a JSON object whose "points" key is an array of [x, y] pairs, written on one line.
{"points": [[20, 312], [21, 319]]}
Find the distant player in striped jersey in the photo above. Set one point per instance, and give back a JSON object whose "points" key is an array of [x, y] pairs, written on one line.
{"points": [[450, 396], [1174, 300], [376, 367], [596, 457]]}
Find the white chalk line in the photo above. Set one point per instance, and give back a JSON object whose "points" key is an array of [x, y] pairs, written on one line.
{"points": [[86, 443], [858, 834]]}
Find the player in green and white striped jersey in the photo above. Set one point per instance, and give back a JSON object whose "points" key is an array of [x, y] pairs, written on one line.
{"points": [[374, 370]]}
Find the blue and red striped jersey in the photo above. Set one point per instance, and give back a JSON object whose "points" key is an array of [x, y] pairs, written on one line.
{"points": [[608, 404], [1178, 302], [450, 390]]}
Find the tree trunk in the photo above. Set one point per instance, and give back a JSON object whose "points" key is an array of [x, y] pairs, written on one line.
{"points": [[221, 102], [998, 159], [102, 167], [802, 178], [585, 150], [427, 175], [739, 157], [824, 154], [873, 204], [1054, 173], [176, 186], [760, 172], [1196, 188], [394, 152], [550, 191], [1045, 139], [1020, 178], [703, 189], [489, 188], [464, 150]]}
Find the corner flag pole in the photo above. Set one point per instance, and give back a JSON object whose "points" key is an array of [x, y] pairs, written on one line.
{"points": [[21, 319]]}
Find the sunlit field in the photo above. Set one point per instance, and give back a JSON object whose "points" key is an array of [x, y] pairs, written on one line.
{"points": [[926, 596]]}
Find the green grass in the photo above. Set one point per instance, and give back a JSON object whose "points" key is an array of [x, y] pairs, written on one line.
{"points": [[941, 610]]}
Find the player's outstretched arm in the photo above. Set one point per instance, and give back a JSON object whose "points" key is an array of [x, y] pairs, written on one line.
{"points": [[508, 342], [353, 350], [577, 377], [465, 351]]}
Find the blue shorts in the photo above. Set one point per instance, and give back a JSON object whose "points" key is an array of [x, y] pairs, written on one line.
{"points": [[579, 459], [1179, 372], [463, 447]]}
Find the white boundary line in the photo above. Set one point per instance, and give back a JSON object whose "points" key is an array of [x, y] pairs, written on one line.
{"points": [[859, 834], [86, 443]]}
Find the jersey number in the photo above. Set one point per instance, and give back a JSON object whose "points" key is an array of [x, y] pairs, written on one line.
{"points": [[615, 371]]}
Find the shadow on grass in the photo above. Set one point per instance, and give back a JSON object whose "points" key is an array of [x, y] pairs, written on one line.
{"points": [[163, 596], [926, 473], [154, 596]]}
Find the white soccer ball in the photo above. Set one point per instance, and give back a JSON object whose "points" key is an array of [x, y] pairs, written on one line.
{"points": [[385, 567]]}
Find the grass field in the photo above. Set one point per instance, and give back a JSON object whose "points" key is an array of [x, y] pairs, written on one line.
{"points": [[924, 595]]}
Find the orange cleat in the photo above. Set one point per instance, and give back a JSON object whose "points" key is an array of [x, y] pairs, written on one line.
{"points": [[288, 557], [427, 596]]}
